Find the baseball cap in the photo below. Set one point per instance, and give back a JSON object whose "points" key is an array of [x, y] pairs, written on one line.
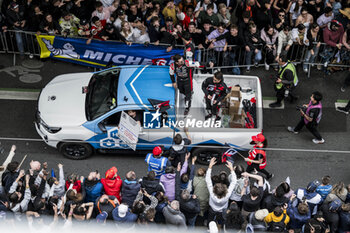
{"points": [[84, 22], [120, 12], [260, 138], [261, 214], [102, 217], [169, 19], [122, 209], [334, 205], [111, 172], [312, 186], [14, 5]]}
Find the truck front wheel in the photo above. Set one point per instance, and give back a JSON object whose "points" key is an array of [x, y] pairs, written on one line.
{"points": [[75, 150], [204, 155]]}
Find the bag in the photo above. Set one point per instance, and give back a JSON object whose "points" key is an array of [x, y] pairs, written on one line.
{"points": [[278, 226]]}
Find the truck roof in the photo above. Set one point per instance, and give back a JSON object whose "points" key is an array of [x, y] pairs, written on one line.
{"points": [[137, 84]]}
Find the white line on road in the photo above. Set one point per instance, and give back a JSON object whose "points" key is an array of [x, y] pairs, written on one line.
{"points": [[18, 95]]}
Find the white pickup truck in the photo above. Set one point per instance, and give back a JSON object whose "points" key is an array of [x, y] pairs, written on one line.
{"points": [[79, 113]]}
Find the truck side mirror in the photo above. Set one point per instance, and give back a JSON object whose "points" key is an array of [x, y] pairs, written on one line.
{"points": [[102, 127]]}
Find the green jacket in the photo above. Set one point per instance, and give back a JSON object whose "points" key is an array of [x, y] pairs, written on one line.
{"points": [[288, 75], [201, 191]]}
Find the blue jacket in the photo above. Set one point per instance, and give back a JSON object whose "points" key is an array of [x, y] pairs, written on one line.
{"points": [[156, 164], [129, 217], [312, 199], [93, 190], [324, 190], [296, 220], [344, 222], [130, 190]]}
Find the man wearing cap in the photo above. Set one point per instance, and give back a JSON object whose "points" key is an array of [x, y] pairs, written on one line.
{"points": [[332, 36], [156, 162], [112, 183], [257, 157], [84, 28], [121, 17], [122, 214], [15, 17]]}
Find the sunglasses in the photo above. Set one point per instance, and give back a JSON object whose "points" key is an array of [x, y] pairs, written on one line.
{"points": [[281, 15]]}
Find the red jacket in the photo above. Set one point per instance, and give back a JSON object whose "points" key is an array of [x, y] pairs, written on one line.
{"points": [[112, 185], [333, 38]]}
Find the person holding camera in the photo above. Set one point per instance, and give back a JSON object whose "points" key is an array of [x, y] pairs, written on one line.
{"points": [[286, 81], [310, 117]]}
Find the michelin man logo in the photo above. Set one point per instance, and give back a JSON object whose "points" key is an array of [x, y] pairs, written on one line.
{"points": [[112, 140], [67, 50]]}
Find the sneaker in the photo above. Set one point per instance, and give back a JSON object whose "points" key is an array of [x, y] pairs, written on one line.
{"points": [[217, 118], [256, 64], [247, 70], [318, 141], [325, 64], [306, 70], [319, 67], [291, 129], [270, 176], [342, 109], [267, 67], [208, 116], [342, 89], [275, 105]]}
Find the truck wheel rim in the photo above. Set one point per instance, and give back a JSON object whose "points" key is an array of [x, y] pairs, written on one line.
{"points": [[75, 150]]}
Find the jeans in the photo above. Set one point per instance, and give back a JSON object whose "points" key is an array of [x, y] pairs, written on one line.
{"points": [[310, 58], [248, 58], [327, 54], [191, 222], [19, 41]]}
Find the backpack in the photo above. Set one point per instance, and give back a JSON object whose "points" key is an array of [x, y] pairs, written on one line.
{"points": [[278, 226]]}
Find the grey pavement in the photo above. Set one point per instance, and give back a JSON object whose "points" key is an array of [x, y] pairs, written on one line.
{"points": [[17, 118]]}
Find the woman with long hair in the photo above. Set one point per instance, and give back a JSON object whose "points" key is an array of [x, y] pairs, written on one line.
{"points": [[234, 218], [304, 18], [295, 10]]}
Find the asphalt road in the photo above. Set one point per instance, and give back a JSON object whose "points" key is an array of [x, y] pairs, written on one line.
{"points": [[17, 118]]}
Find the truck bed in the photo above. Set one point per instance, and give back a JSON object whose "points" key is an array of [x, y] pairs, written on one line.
{"points": [[198, 111]]}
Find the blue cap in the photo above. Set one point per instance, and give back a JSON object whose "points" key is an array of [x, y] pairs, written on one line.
{"points": [[102, 217]]}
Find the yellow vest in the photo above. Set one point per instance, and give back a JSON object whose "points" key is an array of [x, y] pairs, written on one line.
{"points": [[291, 67]]}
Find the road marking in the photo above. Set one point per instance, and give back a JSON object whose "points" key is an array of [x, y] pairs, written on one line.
{"points": [[18, 95], [269, 100]]}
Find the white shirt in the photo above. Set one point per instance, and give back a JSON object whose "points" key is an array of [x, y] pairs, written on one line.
{"points": [[323, 20]]}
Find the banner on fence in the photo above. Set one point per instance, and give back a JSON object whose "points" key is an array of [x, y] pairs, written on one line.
{"points": [[100, 53]]}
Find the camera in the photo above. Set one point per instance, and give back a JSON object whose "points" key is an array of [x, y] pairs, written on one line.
{"points": [[300, 108]]}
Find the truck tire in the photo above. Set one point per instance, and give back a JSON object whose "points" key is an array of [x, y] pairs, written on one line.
{"points": [[75, 150], [204, 155]]}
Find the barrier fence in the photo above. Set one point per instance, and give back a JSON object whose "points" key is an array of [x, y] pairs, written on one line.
{"points": [[229, 60]]}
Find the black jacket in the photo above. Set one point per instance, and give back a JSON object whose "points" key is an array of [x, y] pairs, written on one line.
{"points": [[248, 38], [130, 190], [271, 202], [7, 179], [151, 186], [211, 88], [177, 153]]}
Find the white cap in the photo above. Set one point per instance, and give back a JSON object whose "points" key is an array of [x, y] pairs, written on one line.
{"points": [[122, 209]]}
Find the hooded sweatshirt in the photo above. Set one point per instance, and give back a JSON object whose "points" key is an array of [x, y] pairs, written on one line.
{"points": [[130, 190], [174, 217], [168, 182], [332, 38], [178, 152], [112, 185], [151, 186]]}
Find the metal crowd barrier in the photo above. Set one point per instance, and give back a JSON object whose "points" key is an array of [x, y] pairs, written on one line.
{"points": [[25, 43]]}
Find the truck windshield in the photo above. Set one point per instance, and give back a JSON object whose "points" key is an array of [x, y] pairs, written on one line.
{"points": [[101, 95]]}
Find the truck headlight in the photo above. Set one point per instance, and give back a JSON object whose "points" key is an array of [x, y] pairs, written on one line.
{"points": [[49, 129]]}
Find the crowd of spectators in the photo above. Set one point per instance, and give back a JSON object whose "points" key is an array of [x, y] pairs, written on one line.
{"points": [[184, 196], [260, 29]]}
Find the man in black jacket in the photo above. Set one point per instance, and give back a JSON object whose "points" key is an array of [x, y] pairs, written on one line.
{"points": [[189, 206], [215, 91], [178, 151]]}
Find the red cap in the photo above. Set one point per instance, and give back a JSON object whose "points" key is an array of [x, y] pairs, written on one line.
{"points": [[253, 100], [259, 138], [157, 150], [110, 173]]}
